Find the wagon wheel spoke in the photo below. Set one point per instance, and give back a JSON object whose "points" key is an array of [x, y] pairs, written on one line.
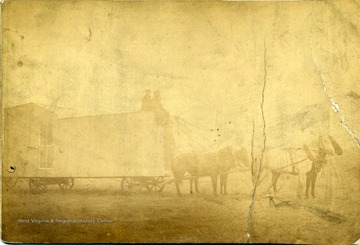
{"points": [[42, 187], [156, 184], [127, 184], [36, 185], [67, 184], [33, 183], [160, 183]]}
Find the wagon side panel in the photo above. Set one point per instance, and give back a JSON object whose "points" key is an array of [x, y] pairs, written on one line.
{"points": [[130, 144]]}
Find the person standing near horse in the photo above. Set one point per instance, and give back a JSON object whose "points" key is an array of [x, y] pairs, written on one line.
{"points": [[318, 162]]}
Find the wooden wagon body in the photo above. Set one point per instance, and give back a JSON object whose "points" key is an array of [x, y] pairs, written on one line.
{"points": [[40, 146]]}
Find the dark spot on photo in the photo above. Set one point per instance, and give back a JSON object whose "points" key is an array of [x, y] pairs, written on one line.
{"points": [[353, 95]]}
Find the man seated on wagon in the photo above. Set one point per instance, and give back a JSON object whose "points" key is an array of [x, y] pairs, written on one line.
{"points": [[161, 115], [146, 101]]}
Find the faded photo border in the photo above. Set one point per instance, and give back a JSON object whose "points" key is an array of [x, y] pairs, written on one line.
{"points": [[105, 151]]}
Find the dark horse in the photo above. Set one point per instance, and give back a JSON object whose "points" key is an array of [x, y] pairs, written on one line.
{"points": [[210, 164]]}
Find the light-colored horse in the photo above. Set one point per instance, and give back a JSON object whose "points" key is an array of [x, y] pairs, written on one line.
{"points": [[308, 159], [211, 164]]}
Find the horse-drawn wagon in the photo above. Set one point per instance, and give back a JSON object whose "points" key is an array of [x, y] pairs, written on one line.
{"points": [[44, 149]]}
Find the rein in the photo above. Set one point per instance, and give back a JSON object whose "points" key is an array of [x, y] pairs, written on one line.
{"points": [[292, 164]]}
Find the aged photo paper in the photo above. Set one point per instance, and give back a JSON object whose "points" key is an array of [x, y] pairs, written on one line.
{"points": [[180, 121]]}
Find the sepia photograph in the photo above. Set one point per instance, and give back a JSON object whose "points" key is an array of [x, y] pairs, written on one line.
{"points": [[180, 121]]}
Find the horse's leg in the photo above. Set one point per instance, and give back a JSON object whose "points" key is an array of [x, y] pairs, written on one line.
{"points": [[308, 179], [191, 181], [196, 185], [177, 183], [225, 183], [221, 184], [214, 182], [313, 181], [275, 177], [178, 178], [300, 187]]}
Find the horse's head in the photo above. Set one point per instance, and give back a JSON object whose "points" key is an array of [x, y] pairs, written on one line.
{"points": [[242, 157], [227, 156], [322, 147], [328, 146]]}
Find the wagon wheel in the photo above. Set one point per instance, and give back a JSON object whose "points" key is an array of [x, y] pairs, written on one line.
{"points": [[156, 184], [67, 184], [36, 185], [127, 184]]}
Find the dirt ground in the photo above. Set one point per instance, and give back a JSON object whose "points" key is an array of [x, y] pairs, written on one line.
{"points": [[101, 212]]}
